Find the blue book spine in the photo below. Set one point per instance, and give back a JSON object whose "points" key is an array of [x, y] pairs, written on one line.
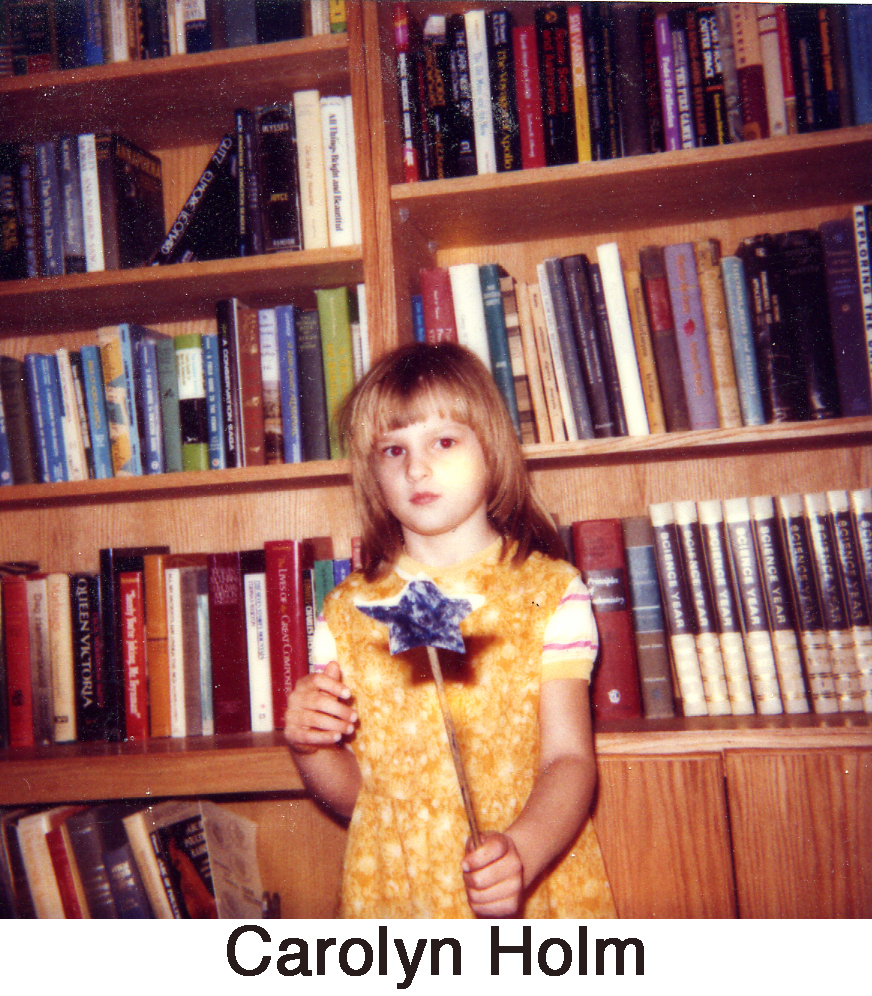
{"points": [[341, 569], [93, 27], [859, 17], [95, 404], [742, 339], [289, 383], [498, 339], [50, 454], [48, 199], [211, 375], [150, 408], [5, 458], [48, 367], [418, 328], [127, 333]]}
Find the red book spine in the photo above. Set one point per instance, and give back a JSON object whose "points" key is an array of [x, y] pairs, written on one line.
{"points": [[16, 634], [133, 655], [286, 617], [438, 303], [228, 640], [599, 555], [528, 96], [60, 861], [407, 82]]}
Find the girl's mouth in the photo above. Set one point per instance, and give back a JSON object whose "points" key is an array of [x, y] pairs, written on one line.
{"points": [[423, 498]]}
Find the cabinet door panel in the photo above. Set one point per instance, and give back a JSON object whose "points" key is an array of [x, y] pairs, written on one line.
{"points": [[663, 829], [802, 832]]}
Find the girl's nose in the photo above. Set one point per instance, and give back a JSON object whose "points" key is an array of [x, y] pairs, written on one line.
{"points": [[416, 467]]}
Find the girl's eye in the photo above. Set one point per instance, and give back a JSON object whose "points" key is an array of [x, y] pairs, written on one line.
{"points": [[446, 442], [392, 451]]}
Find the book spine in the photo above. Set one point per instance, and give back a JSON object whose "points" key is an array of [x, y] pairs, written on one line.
{"points": [[668, 91], [683, 85], [192, 583], [40, 658], [407, 84], [87, 657], [644, 350], [857, 604], [438, 304], [742, 341], [520, 377], [501, 62], [607, 349], [193, 416], [691, 335], [497, 335], [649, 626], [580, 88], [274, 445], [212, 384], [74, 448], [541, 342], [249, 208], [119, 407], [313, 404], [779, 607], [63, 683], [231, 696], [71, 204], [622, 339], [147, 389], [461, 95], [717, 560], [770, 57], [133, 655], [286, 618], [714, 96], [257, 641], [529, 104], [555, 76], [440, 153], [653, 269], [807, 605], [289, 384], [480, 90], [599, 555], [711, 289], [175, 651], [752, 602], [225, 311], [310, 169], [16, 641], [95, 399], [335, 323], [749, 71], [732, 101], [834, 610], [337, 165], [711, 662], [48, 199], [678, 610], [634, 135], [861, 217], [860, 61], [84, 431], [156, 648], [842, 272]]}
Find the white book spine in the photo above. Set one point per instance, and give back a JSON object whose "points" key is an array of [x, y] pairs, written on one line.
{"points": [[469, 309], [320, 17], [758, 643], [74, 448], [115, 39], [711, 518], [175, 651], [365, 350], [785, 645], [337, 171], [479, 78], [310, 168], [623, 343], [685, 656], [352, 162], [773, 82], [569, 423], [60, 638], [92, 216], [36, 857], [207, 714], [708, 646], [259, 673]]}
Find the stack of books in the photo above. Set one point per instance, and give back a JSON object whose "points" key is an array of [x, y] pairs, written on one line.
{"points": [[160, 644], [734, 607], [87, 203], [39, 36], [684, 338], [261, 389], [498, 90], [131, 860]]}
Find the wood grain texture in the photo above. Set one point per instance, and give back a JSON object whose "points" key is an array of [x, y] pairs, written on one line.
{"points": [[802, 832], [663, 828]]}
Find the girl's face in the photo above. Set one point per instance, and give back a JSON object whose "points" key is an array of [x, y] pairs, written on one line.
{"points": [[433, 477]]}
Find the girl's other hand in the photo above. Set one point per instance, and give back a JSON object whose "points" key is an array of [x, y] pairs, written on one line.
{"points": [[318, 713], [493, 874]]}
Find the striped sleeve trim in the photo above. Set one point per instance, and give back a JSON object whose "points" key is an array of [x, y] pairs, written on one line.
{"points": [[570, 640]]}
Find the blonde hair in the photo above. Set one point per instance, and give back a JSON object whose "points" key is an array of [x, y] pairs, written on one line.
{"points": [[402, 388]]}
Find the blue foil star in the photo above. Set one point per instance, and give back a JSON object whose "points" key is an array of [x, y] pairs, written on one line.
{"points": [[421, 616]]}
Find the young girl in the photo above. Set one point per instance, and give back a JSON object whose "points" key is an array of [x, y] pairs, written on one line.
{"points": [[441, 487]]}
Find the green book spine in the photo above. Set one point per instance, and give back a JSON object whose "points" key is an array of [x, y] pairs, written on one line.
{"points": [[498, 339], [334, 313], [169, 403], [192, 402]]}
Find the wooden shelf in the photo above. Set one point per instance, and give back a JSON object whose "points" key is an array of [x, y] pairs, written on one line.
{"points": [[169, 293], [166, 103], [260, 763], [642, 191], [788, 437]]}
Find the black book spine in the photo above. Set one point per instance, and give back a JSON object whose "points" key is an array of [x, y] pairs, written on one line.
{"points": [[632, 104], [19, 423], [461, 96], [441, 110], [313, 403], [226, 320], [13, 252], [607, 352], [714, 96], [71, 204], [555, 82], [250, 222], [278, 20], [279, 184], [507, 133], [87, 653]]}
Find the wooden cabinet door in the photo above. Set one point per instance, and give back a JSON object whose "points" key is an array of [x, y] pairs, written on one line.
{"points": [[662, 825], [802, 832]]}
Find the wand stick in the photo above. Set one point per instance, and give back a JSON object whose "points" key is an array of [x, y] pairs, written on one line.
{"points": [[455, 748]]}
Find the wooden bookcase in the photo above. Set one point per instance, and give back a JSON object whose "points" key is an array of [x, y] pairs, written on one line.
{"points": [[759, 816]]}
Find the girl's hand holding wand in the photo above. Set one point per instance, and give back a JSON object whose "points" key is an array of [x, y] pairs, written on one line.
{"points": [[318, 713], [493, 874]]}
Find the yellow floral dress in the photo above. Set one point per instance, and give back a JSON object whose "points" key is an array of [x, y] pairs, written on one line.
{"points": [[407, 834]]}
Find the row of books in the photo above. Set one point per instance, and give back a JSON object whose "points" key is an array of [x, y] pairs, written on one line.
{"points": [[39, 36], [130, 860], [499, 90], [160, 644], [780, 331], [286, 179], [260, 390], [718, 608]]}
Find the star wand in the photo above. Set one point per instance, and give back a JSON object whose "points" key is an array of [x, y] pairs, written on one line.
{"points": [[424, 616]]}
